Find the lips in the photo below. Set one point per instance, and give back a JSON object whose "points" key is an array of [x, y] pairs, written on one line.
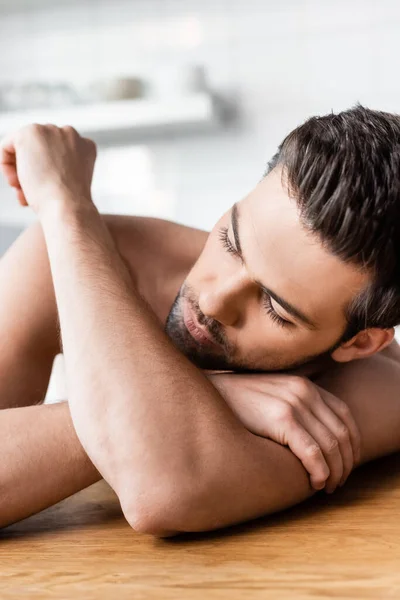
{"points": [[197, 332]]}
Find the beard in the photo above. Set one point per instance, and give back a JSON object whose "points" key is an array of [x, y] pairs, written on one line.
{"points": [[218, 358], [223, 356]]}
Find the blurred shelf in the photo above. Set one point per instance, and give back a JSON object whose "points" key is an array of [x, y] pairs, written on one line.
{"points": [[125, 120], [12, 6]]}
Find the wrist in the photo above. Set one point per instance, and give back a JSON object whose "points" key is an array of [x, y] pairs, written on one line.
{"points": [[62, 204]]}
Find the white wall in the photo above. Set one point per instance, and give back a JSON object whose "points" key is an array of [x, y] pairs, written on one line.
{"points": [[284, 60]]}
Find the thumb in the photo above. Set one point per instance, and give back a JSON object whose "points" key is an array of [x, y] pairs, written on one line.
{"points": [[21, 197], [8, 162], [10, 174]]}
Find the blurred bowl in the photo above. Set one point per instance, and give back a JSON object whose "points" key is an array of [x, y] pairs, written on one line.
{"points": [[123, 88]]}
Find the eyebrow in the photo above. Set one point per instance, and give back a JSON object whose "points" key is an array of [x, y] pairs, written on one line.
{"points": [[287, 306]]}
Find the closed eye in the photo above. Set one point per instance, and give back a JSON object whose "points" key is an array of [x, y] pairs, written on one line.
{"points": [[230, 248], [226, 242], [272, 312]]}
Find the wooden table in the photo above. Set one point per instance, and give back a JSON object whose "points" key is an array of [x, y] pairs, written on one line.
{"points": [[342, 546]]}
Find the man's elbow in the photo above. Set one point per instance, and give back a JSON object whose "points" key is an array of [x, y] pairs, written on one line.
{"points": [[161, 511], [149, 521]]}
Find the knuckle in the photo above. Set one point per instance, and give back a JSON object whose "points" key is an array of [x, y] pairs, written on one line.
{"points": [[312, 451], [93, 147], [32, 128], [284, 413], [69, 130], [27, 133], [300, 386], [295, 402], [343, 434], [49, 127], [343, 409], [332, 445]]}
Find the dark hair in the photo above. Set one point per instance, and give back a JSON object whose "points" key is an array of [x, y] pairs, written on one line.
{"points": [[344, 172]]}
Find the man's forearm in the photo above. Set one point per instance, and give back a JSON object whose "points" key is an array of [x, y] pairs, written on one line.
{"points": [[42, 460], [144, 414], [153, 425]]}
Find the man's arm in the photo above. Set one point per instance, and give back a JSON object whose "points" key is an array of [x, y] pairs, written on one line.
{"points": [[28, 321], [145, 415], [151, 422], [153, 425], [42, 460]]}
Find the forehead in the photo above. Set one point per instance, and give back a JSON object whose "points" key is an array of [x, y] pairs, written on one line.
{"points": [[283, 256]]}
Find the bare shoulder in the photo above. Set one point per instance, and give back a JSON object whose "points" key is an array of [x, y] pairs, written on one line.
{"points": [[139, 230], [147, 237], [158, 253], [381, 364], [371, 389], [379, 371]]}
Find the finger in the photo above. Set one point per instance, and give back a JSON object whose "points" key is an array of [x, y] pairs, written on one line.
{"points": [[307, 450], [10, 173], [21, 198], [329, 445], [8, 162], [70, 129], [344, 413], [340, 432], [324, 413], [7, 150], [92, 146]]}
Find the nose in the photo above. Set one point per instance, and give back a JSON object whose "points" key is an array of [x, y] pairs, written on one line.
{"points": [[224, 299]]}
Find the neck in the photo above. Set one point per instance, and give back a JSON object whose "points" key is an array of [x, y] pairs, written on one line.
{"points": [[314, 368]]}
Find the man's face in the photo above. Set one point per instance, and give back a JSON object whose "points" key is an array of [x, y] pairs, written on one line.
{"points": [[264, 292]]}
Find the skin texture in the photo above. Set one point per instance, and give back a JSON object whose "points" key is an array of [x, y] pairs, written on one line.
{"points": [[51, 453], [223, 289], [140, 406]]}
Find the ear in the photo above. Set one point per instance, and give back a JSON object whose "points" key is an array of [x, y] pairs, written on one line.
{"points": [[364, 343]]}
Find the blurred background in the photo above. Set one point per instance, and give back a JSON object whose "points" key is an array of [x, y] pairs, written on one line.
{"points": [[187, 99]]}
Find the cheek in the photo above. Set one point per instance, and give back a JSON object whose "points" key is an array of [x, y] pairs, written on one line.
{"points": [[261, 338], [259, 335]]}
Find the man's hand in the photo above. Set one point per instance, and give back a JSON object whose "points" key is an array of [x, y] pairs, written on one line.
{"points": [[39, 161], [291, 410]]}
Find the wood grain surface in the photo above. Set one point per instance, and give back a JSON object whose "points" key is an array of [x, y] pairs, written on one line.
{"points": [[346, 545]]}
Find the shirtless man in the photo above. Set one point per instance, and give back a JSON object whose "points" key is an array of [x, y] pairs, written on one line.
{"points": [[149, 311]]}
